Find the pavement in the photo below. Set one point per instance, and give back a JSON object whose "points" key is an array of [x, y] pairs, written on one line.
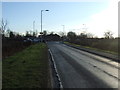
{"points": [[80, 69]]}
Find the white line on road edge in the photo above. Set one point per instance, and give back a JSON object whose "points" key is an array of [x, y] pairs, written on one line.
{"points": [[54, 64]]}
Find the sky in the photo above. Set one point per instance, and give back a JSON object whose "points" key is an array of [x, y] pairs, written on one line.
{"points": [[92, 17]]}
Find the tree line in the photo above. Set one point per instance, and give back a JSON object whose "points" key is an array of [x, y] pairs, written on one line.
{"points": [[15, 40], [108, 42]]}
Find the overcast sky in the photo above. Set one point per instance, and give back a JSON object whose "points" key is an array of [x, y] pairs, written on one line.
{"points": [[93, 17]]}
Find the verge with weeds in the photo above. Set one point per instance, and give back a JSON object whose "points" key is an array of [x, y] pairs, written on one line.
{"points": [[27, 69], [93, 48]]}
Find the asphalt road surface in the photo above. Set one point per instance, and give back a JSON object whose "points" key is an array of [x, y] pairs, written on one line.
{"points": [[79, 69]]}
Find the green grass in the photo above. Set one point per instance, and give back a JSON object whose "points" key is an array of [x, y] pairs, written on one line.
{"points": [[111, 52], [72, 44], [27, 69]]}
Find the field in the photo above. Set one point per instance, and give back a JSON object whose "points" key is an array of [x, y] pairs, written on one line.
{"points": [[27, 69]]}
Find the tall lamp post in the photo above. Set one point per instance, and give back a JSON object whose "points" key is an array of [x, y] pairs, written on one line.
{"points": [[34, 28], [41, 18], [41, 23]]}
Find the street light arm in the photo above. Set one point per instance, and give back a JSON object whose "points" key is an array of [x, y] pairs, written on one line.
{"points": [[46, 10]]}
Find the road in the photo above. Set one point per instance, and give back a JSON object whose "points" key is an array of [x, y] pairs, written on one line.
{"points": [[79, 69]]}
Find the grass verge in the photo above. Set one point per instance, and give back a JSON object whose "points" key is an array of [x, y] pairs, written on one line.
{"points": [[106, 51], [27, 69]]}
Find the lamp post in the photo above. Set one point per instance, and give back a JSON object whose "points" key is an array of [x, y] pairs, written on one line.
{"points": [[63, 30], [33, 27], [41, 23], [41, 18]]}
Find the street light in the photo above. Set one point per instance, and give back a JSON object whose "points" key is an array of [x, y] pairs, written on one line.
{"points": [[41, 23], [33, 26], [63, 32], [41, 19]]}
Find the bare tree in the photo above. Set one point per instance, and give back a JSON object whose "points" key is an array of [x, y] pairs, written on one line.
{"points": [[12, 34], [108, 34], [34, 34], [83, 35], [8, 32], [28, 34], [90, 35], [71, 36], [3, 26], [61, 34]]}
